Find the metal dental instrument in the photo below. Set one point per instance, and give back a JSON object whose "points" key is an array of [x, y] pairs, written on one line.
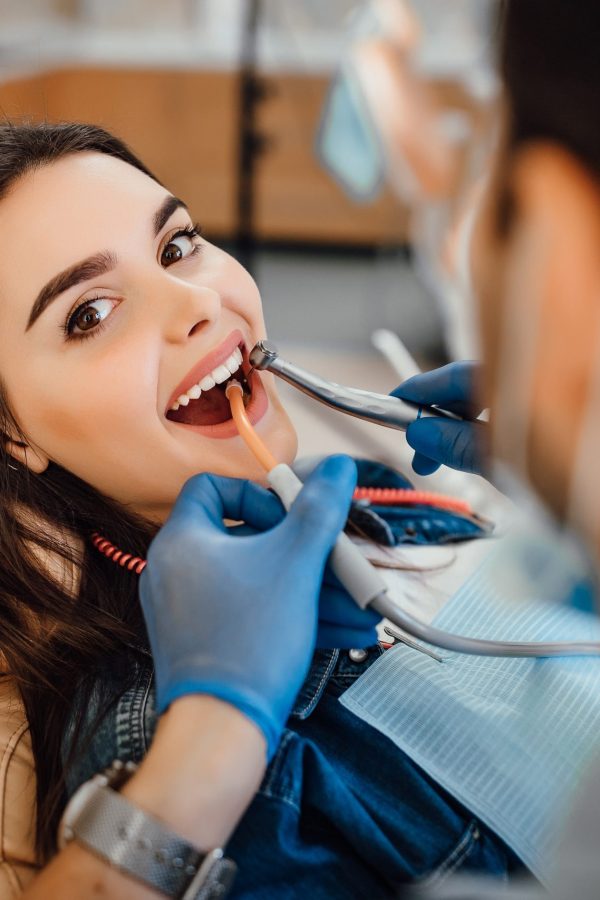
{"points": [[355, 572], [378, 408], [403, 639]]}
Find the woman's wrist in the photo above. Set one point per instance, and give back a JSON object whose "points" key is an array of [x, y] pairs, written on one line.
{"points": [[203, 769]]}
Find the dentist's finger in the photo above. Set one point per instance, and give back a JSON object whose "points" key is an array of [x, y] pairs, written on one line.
{"points": [[205, 500], [455, 444], [320, 510], [423, 465], [452, 387]]}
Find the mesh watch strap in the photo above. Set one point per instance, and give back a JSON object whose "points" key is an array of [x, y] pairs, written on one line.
{"points": [[138, 844]]}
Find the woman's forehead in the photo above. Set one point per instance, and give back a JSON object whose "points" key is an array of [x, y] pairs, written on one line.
{"points": [[79, 187], [69, 209]]}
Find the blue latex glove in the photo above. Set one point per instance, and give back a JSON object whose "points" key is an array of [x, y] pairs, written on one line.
{"points": [[460, 445], [235, 616], [342, 624]]}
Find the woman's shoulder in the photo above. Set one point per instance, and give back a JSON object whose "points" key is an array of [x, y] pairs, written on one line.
{"points": [[17, 794], [11, 704]]}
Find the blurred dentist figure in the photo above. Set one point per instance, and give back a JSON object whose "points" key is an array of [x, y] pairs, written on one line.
{"points": [[536, 275], [530, 260]]}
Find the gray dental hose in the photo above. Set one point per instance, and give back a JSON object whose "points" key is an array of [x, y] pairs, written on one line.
{"points": [[356, 573]]}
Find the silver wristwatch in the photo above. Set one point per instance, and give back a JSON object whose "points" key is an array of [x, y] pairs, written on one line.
{"points": [[101, 819]]}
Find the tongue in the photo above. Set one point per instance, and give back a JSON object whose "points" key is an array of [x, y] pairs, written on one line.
{"points": [[211, 409]]}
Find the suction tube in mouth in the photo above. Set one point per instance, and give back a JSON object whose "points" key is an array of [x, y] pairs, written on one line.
{"points": [[235, 394]]}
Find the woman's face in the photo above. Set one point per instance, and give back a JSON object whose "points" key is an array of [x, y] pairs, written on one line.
{"points": [[93, 387]]}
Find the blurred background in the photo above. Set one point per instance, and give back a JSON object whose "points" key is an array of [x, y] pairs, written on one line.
{"points": [[227, 102]]}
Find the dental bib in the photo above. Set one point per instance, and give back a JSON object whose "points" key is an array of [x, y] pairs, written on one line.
{"points": [[509, 738]]}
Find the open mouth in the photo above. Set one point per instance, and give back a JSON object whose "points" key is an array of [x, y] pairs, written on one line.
{"points": [[204, 403]]}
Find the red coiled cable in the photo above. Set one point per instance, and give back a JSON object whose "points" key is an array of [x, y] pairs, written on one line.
{"points": [[410, 497], [126, 560]]}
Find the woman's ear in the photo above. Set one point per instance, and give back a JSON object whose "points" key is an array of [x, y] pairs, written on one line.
{"points": [[35, 460]]}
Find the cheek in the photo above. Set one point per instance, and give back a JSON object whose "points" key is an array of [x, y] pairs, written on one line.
{"points": [[241, 293], [88, 400]]}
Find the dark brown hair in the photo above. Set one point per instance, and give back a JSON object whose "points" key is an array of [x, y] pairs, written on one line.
{"points": [[551, 71], [54, 644]]}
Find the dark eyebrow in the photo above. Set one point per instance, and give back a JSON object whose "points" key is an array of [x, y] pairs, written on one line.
{"points": [[165, 211], [94, 266]]}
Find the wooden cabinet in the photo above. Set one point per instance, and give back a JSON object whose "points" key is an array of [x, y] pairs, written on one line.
{"points": [[296, 199], [182, 124], [185, 126]]}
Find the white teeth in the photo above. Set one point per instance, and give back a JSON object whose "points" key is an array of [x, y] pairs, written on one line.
{"points": [[232, 364], [221, 374], [207, 383], [217, 376]]}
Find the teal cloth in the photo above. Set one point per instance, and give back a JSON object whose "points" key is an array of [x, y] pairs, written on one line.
{"points": [[509, 738]]}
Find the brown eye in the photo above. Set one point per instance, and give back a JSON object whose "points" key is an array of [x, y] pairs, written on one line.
{"points": [[90, 315], [180, 246], [87, 319]]}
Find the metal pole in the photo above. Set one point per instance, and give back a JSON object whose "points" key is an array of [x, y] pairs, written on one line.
{"points": [[250, 142]]}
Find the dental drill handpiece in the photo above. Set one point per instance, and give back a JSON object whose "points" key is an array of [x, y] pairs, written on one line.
{"points": [[381, 409]]}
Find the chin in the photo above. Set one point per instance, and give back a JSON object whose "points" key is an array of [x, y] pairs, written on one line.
{"points": [[281, 438]]}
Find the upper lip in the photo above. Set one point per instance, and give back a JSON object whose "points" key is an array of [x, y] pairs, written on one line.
{"points": [[209, 362]]}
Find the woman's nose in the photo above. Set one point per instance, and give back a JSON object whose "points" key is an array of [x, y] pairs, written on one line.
{"points": [[188, 309]]}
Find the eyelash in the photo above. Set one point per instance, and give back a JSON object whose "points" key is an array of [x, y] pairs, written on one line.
{"points": [[191, 231]]}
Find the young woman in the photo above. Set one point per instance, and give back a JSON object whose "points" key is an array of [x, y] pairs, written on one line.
{"points": [[113, 309]]}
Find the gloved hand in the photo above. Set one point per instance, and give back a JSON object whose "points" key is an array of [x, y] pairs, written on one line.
{"points": [[342, 624], [460, 445], [235, 616]]}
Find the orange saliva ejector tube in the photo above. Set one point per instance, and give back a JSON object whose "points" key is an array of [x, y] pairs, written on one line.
{"points": [[258, 448]]}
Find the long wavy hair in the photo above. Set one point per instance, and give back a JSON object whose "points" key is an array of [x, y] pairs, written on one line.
{"points": [[54, 640]]}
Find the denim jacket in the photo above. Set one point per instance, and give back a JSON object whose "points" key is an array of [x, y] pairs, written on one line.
{"points": [[341, 812]]}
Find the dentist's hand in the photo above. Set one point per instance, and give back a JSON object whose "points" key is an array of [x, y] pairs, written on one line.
{"points": [[235, 616], [342, 623], [460, 445]]}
